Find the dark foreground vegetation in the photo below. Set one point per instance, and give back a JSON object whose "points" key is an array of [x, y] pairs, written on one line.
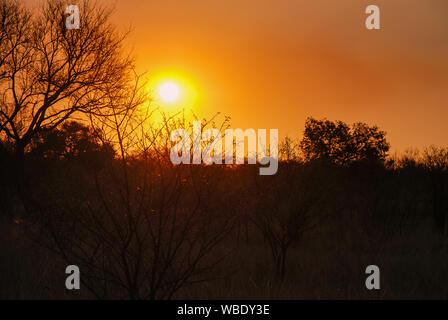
{"points": [[140, 228]]}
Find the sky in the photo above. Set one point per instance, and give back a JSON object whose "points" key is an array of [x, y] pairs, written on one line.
{"points": [[270, 64]]}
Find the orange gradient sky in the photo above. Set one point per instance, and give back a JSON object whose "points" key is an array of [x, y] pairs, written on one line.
{"points": [[270, 64]]}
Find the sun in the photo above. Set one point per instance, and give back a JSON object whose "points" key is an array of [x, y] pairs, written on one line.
{"points": [[173, 90], [169, 92]]}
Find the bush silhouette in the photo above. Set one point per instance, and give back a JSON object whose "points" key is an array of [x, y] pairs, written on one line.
{"points": [[338, 143]]}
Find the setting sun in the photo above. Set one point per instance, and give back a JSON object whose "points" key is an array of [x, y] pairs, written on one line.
{"points": [[174, 89], [169, 92]]}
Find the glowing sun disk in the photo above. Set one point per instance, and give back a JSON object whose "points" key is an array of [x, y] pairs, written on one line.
{"points": [[169, 92]]}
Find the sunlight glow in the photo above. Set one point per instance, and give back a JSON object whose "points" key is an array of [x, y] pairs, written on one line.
{"points": [[173, 90]]}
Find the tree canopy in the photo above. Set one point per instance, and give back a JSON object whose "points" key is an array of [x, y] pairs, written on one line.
{"points": [[49, 74], [340, 143]]}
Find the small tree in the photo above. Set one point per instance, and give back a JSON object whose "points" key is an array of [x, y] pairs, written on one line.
{"points": [[288, 151], [291, 203], [73, 141], [337, 142]]}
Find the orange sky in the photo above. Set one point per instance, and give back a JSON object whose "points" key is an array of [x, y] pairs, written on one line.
{"points": [[270, 64]]}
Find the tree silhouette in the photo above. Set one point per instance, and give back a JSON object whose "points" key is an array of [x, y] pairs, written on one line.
{"points": [[73, 141], [49, 74], [146, 229], [338, 143]]}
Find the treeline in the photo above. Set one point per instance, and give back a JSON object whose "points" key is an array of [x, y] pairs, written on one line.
{"points": [[142, 228]]}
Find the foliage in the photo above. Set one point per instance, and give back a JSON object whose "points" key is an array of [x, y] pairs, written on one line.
{"points": [[337, 142]]}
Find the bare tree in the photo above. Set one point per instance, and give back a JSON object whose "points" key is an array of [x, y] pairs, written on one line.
{"points": [[49, 74], [150, 228], [291, 206]]}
